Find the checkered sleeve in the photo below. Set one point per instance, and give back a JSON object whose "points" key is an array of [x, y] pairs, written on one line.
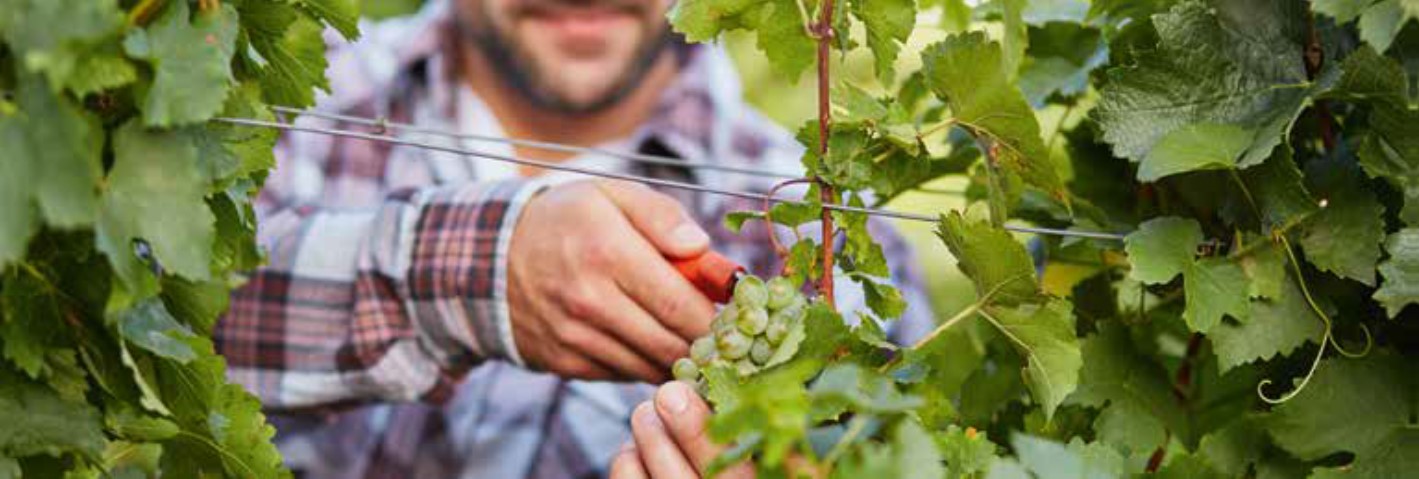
{"points": [[393, 302]]}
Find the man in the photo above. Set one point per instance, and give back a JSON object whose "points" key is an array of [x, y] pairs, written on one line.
{"points": [[431, 315]]}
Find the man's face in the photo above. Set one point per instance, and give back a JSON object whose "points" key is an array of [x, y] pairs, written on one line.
{"points": [[569, 55]]}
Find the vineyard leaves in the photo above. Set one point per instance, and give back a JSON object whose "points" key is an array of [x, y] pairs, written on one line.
{"points": [[1039, 327], [1361, 406], [1207, 77], [192, 63], [968, 73]]}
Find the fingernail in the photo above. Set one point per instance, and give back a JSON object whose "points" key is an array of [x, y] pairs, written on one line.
{"points": [[689, 234], [646, 416], [673, 398]]}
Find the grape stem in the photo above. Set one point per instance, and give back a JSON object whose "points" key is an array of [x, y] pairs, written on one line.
{"points": [[828, 194]]}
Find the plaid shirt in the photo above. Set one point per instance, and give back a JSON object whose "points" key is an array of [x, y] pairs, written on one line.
{"points": [[378, 335]]}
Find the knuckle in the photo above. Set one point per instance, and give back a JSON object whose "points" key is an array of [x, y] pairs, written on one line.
{"points": [[580, 304]]}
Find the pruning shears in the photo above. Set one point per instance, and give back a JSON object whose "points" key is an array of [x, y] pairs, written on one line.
{"points": [[712, 273]]}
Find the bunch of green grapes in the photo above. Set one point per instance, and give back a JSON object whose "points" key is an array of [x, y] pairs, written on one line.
{"points": [[747, 332]]}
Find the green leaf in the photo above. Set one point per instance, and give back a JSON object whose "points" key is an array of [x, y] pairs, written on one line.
{"points": [[1214, 287], [293, 49], [1380, 21], [9, 468], [1266, 271], [1044, 335], [132, 425], [1362, 406], [1052, 460], [33, 323], [104, 68], [908, 453], [149, 325], [49, 166], [1233, 448], [1059, 60], [192, 60], [968, 73], [234, 435], [1197, 146], [155, 193], [1238, 63], [1162, 248], [1390, 149], [343, 15], [704, 20], [1274, 189], [1135, 398], [37, 421], [1188, 466], [1275, 327], [888, 24], [57, 37], [774, 404], [999, 266], [966, 451], [1344, 237], [1400, 271]]}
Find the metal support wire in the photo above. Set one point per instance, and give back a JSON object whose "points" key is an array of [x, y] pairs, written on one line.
{"points": [[381, 125], [634, 178]]}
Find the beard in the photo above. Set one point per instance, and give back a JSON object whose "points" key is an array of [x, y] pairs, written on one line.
{"points": [[518, 69]]}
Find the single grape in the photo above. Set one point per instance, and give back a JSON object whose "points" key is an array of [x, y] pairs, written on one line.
{"points": [[733, 345], [702, 351], [752, 321], [725, 319], [776, 331], [751, 292], [781, 292], [762, 351], [745, 367], [685, 370]]}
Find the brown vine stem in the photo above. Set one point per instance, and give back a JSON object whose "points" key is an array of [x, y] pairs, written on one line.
{"points": [[824, 35], [768, 216], [143, 12], [1315, 60]]}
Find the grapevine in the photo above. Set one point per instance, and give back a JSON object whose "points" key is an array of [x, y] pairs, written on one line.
{"points": [[1258, 156], [125, 217]]}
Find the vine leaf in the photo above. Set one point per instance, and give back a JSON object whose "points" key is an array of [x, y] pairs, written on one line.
{"points": [[1040, 328], [968, 73], [782, 35], [293, 50], [1059, 60], [1401, 272], [149, 325], [1049, 459], [192, 60], [1344, 237], [888, 24], [342, 15], [49, 166], [38, 421], [1237, 64], [908, 453], [155, 193], [1276, 326], [1390, 150], [222, 426], [1362, 406], [33, 323], [966, 451], [1137, 407], [60, 38], [1214, 287], [1380, 21], [1162, 248]]}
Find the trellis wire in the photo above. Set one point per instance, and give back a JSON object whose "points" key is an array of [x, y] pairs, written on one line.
{"points": [[638, 179], [383, 124]]}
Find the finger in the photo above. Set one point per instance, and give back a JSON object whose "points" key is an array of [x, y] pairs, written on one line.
{"points": [[627, 464], [609, 352], [621, 317], [658, 452], [581, 367], [662, 292], [659, 218], [685, 415]]}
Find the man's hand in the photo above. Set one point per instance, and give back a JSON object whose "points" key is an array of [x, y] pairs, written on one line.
{"points": [[670, 439], [591, 293]]}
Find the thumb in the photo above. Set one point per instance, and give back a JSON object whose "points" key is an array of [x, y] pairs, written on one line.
{"points": [[661, 219]]}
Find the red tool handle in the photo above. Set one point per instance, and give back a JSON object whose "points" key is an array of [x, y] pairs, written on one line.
{"points": [[712, 273]]}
